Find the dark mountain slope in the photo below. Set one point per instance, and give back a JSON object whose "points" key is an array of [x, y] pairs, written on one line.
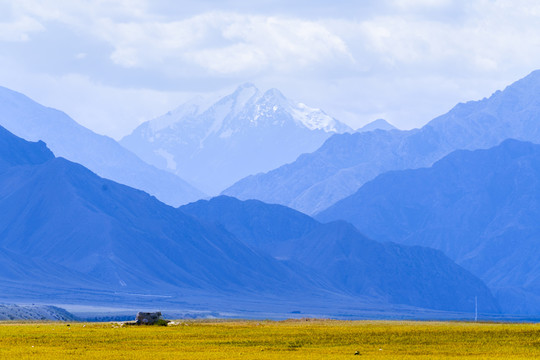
{"points": [[480, 207], [344, 257], [16, 151], [59, 213], [402, 274], [261, 226]]}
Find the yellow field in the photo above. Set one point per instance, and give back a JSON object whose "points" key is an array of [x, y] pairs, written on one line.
{"points": [[298, 339]]}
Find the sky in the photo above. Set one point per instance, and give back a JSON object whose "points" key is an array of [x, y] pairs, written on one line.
{"points": [[113, 64]]}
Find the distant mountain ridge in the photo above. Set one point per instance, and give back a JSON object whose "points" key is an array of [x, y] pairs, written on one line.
{"points": [[346, 161], [32, 121], [339, 253], [379, 124], [243, 133], [480, 207], [35, 312]]}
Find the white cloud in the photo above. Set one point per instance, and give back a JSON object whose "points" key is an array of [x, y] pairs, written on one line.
{"points": [[19, 29], [495, 35], [408, 4], [81, 12], [216, 42], [393, 58], [225, 43]]}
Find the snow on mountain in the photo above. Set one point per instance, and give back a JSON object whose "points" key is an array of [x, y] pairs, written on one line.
{"points": [[345, 162], [193, 107], [101, 154], [243, 133]]}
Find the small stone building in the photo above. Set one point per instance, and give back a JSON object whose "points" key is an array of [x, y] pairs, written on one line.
{"points": [[148, 318]]}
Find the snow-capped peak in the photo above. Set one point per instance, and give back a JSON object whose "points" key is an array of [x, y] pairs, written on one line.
{"points": [[316, 119], [242, 133], [244, 97], [274, 95], [243, 94], [191, 108]]}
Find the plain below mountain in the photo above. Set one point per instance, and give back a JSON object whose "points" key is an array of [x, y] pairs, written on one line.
{"points": [[244, 133], [480, 207], [101, 154], [346, 161]]}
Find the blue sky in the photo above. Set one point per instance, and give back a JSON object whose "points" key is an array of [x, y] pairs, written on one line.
{"points": [[113, 64]]}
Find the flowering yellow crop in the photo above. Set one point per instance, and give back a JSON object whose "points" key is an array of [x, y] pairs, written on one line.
{"points": [[292, 339]]}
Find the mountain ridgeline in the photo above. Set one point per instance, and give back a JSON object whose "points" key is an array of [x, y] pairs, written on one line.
{"points": [[480, 207], [341, 255], [64, 230], [101, 154], [345, 162], [243, 133], [90, 231]]}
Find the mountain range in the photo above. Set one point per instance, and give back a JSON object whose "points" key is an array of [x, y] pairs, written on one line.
{"points": [[345, 162], [244, 133], [403, 220], [60, 213], [101, 154], [66, 232], [348, 260], [480, 207]]}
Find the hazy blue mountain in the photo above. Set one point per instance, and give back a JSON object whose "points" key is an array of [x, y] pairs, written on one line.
{"points": [[480, 207], [21, 274], [346, 161], [347, 259], [379, 124], [266, 227], [67, 233], [66, 138], [35, 312], [246, 132], [77, 230]]}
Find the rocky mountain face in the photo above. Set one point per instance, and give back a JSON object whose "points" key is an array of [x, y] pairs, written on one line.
{"points": [[479, 207], [63, 226], [338, 254], [32, 121], [346, 161], [243, 133]]}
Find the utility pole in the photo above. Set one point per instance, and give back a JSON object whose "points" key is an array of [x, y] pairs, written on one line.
{"points": [[475, 309]]}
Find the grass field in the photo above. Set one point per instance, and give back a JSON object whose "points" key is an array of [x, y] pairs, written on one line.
{"points": [[291, 339]]}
